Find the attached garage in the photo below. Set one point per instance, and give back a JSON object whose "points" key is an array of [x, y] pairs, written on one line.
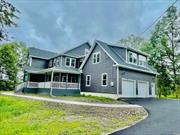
{"points": [[128, 88], [143, 89]]}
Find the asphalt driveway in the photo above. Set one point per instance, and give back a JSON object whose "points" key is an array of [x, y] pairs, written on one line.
{"points": [[164, 118]]}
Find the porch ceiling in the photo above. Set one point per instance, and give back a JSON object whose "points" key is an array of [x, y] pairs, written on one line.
{"points": [[53, 69]]}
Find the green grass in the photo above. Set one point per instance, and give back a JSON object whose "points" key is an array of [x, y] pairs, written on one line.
{"points": [[83, 98], [20, 116], [172, 96]]}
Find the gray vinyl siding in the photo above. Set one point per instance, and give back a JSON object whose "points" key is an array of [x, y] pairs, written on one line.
{"points": [[96, 70], [39, 63], [134, 75]]}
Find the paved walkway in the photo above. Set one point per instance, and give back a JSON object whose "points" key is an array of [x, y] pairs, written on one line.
{"points": [[72, 102]]}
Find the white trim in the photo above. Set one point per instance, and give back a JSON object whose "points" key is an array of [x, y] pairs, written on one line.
{"points": [[88, 85], [69, 61], [95, 54], [117, 80], [30, 61], [123, 66], [133, 58], [126, 56], [106, 79]]}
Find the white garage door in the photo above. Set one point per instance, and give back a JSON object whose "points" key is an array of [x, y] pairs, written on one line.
{"points": [[143, 89], [128, 88]]}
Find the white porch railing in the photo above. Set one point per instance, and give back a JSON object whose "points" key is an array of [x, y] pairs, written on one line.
{"points": [[57, 85]]}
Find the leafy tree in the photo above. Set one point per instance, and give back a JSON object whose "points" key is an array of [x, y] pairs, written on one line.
{"points": [[132, 41], [7, 16], [8, 59], [163, 49], [13, 57]]}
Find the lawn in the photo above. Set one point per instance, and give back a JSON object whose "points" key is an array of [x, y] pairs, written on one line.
{"points": [[20, 116], [83, 98]]}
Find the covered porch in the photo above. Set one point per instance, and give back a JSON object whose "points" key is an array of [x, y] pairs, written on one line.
{"points": [[52, 80]]}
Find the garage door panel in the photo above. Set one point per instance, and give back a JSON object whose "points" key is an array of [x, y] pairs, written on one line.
{"points": [[128, 88], [143, 89]]}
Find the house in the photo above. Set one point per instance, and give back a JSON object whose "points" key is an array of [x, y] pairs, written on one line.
{"points": [[103, 69]]}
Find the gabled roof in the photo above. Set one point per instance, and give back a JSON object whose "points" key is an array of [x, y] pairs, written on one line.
{"points": [[39, 53], [78, 50], [113, 52]]}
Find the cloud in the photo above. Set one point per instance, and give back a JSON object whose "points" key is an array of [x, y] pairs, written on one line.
{"points": [[59, 25]]}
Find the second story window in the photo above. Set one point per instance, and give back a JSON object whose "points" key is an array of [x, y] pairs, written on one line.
{"points": [[142, 60], [132, 57], [73, 62], [96, 57], [70, 62]]}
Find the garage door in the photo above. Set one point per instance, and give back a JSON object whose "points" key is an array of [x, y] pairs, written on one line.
{"points": [[143, 89], [128, 88]]}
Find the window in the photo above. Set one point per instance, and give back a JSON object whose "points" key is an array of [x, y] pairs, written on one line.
{"points": [[88, 80], [73, 62], [96, 58], [63, 78], [68, 61], [104, 79], [73, 79], [132, 58], [142, 60]]}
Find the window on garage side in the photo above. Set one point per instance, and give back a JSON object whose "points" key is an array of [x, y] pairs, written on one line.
{"points": [[132, 57], [142, 61], [88, 80], [104, 79]]}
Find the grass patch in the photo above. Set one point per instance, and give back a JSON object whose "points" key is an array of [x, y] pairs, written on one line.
{"points": [[172, 96], [83, 98], [23, 116]]}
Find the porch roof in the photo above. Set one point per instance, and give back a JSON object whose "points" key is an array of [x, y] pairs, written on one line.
{"points": [[54, 69]]}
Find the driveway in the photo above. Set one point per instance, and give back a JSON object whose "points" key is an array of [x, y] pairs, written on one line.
{"points": [[164, 118]]}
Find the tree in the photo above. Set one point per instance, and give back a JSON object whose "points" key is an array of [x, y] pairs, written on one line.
{"points": [[7, 16], [8, 60], [132, 41], [163, 46], [13, 57]]}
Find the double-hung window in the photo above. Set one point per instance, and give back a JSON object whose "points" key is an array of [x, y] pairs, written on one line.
{"points": [[96, 57], [132, 57], [88, 80], [142, 60], [104, 79], [70, 62]]}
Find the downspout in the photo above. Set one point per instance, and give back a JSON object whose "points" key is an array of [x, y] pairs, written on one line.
{"points": [[117, 81], [52, 75]]}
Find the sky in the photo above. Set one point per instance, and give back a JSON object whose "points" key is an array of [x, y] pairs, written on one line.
{"points": [[58, 25]]}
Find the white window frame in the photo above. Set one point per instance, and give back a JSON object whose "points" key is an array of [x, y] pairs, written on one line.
{"points": [[95, 56], [88, 85], [145, 62], [133, 58], [106, 79], [74, 62], [70, 62]]}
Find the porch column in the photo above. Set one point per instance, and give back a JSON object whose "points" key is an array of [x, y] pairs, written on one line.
{"points": [[79, 82], [66, 79], [52, 75]]}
